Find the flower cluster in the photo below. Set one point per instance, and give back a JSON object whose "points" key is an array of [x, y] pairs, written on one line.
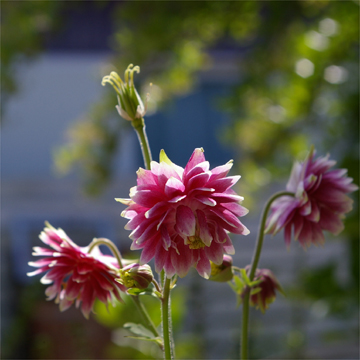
{"points": [[181, 217], [319, 204], [75, 274]]}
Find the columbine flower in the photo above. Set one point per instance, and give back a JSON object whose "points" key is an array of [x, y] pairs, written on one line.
{"points": [[75, 275], [130, 105], [262, 295], [136, 276], [320, 202], [182, 216], [223, 272]]}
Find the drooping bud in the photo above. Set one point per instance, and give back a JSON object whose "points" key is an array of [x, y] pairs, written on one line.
{"points": [[130, 105], [136, 276], [223, 272], [263, 294]]}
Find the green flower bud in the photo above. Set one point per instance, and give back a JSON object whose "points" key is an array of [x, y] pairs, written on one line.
{"points": [[136, 276], [130, 105]]}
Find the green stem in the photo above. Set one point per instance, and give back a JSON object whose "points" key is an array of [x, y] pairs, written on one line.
{"points": [[110, 245], [140, 306], [139, 126], [254, 264], [166, 321]]}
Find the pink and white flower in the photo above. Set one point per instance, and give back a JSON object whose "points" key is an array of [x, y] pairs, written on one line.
{"points": [[182, 217], [319, 204], [75, 275]]}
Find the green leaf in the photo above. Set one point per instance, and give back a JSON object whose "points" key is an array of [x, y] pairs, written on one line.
{"points": [[255, 291], [139, 330], [136, 291], [158, 340]]}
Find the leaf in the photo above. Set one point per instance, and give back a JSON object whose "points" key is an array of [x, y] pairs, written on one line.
{"points": [[255, 291], [139, 330], [158, 340]]}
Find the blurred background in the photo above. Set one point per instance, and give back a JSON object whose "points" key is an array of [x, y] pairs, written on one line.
{"points": [[255, 81]]}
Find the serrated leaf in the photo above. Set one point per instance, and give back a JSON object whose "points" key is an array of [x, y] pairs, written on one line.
{"points": [[139, 330]]}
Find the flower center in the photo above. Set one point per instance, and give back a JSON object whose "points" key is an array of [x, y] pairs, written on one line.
{"points": [[195, 242]]}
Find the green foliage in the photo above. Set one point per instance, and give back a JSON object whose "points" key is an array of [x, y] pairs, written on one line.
{"points": [[125, 315], [24, 26], [298, 83]]}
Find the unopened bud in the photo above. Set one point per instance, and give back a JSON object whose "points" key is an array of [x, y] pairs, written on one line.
{"points": [[136, 276], [263, 294], [130, 105]]}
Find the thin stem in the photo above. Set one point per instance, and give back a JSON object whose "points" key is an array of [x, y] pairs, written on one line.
{"points": [[110, 245], [139, 126], [157, 286], [166, 320], [140, 306], [254, 264]]}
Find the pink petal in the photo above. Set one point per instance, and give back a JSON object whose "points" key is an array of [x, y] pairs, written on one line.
{"points": [[165, 237], [147, 198], [174, 187], [227, 216], [197, 157], [287, 234], [198, 181], [236, 209], [183, 261], [221, 185], [185, 221], [160, 258], [223, 197], [215, 253], [203, 266], [205, 234], [145, 177], [206, 200], [220, 171], [198, 169], [330, 221], [149, 249], [169, 268]]}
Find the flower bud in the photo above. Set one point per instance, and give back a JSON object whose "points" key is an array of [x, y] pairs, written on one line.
{"points": [[130, 105], [136, 276], [223, 272], [262, 295]]}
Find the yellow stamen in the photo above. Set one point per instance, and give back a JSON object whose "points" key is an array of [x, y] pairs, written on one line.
{"points": [[195, 242]]}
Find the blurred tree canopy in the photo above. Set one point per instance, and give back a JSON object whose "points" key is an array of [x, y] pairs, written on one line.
{"points": [[298, 86]]}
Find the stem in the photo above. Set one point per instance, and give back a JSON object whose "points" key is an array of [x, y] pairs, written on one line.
{"points": [[139, 126], [140, 306], [166, 320], [110, 245], [254, 264]]}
